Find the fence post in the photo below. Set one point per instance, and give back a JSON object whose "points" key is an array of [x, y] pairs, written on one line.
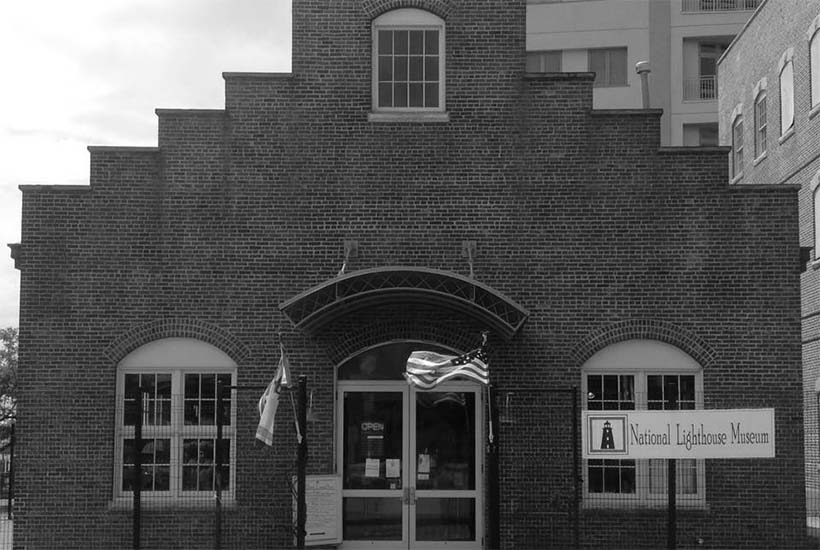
{"points": [[301, 463], [218, 468], [671, 491], [137, 477], [576, 470]]}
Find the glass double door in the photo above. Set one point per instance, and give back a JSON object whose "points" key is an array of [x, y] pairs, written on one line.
{"points": [[411, 466]]}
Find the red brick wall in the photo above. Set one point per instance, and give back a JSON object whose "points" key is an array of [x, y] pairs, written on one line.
{"points": [[781, 25], [577, 215]]}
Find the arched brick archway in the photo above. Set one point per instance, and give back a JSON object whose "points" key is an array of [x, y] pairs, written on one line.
{"points": [[374, 8], [648, 329], [142, 334]]}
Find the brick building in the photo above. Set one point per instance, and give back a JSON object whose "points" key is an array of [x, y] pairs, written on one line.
{"points": [[461, 195], [769, 106]]}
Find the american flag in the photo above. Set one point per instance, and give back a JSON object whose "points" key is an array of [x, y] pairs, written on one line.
{"points": [[428, 369]]}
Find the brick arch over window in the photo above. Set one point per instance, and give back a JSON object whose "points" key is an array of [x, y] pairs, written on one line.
{"points": [[374, 8], [139, 335], [406, 328], [645, 329]]}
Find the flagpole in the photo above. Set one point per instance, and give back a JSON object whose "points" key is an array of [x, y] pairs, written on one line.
{"points": [[493, 492], [301, 463]]}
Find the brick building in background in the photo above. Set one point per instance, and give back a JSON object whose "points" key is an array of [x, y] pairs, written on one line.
{"points": [[770, 115], [462, 195]]}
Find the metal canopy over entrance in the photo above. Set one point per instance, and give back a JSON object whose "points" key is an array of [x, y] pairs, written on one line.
{"points": [[339, 296]]}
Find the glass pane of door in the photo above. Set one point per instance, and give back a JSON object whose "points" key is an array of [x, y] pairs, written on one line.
{"points": [[445, 466], [373, 433]]}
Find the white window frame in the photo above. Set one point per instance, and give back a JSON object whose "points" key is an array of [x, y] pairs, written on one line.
{"points": [[786, 79], [813, 35], [761, 127], [177, 357], [815, 194], [408, 19], [608, 82], [640, 359], [737, 146]]}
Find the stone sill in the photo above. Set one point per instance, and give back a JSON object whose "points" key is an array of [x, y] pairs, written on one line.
{"points": [[789, 133], [412, 116]]}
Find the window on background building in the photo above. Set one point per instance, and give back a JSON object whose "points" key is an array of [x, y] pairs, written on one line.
{"points": [[408, 59], [814, 54], [816, 203], [179, 421], [708, 55], [815, 189], [760, 124], [636, 375], [737, 146], [609, 66], [544, 62], [786, 92], [700, 135]]}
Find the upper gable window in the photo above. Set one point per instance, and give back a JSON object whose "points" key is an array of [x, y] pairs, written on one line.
{"points": [[408, 61], [786, 92], [814, 54]]}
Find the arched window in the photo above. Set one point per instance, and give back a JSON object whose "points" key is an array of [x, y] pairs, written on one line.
{"points": [[815, 190], [634, 375], [177, 379], [408, 61], [760, 124], [786, 92], [814, 56], [737, 146]]}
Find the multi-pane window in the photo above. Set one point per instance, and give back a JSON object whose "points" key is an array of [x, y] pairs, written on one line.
{"points": [[760, 125], [609, 66], [737, 146], [786, 97], [408, 55], [816, 203], [544, 62], [642, 482], [178, 412], [814, 55]]}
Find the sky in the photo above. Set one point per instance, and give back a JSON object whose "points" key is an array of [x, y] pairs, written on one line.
{"points": [[92, 72]]}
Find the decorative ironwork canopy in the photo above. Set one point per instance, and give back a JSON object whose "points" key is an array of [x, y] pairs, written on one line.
{"points": [[318, 306]]}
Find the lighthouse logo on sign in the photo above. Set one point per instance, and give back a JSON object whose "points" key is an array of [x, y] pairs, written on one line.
{"points": [[606, 434]]}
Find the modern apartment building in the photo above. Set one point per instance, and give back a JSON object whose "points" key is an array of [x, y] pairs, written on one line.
{"points": [[681, 39]]}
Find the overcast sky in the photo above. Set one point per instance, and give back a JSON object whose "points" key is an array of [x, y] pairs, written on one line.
{"points": [[91, 72]]}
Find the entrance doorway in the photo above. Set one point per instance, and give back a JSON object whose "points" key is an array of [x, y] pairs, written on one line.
{"points": [[410, 460]]}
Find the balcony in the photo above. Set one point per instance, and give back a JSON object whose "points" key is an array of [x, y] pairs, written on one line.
{"points": [[700, 6], [701, 88]]}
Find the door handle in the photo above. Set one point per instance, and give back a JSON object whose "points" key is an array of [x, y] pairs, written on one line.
{"points": [[412, 496]]}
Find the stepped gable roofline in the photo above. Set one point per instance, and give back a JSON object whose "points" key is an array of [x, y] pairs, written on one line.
{"points": [[35, 188], [255, 75], [121, 149], [161, 111]]}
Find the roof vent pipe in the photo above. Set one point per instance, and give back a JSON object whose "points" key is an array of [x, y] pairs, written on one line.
{"points": [[642, 68]]}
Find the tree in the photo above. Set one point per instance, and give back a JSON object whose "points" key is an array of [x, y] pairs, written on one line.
{"points": [[8, 382]]}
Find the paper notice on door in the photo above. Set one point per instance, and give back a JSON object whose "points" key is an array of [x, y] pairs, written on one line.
{"points": [[371, 467], [424, 464], [393, 467]]}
